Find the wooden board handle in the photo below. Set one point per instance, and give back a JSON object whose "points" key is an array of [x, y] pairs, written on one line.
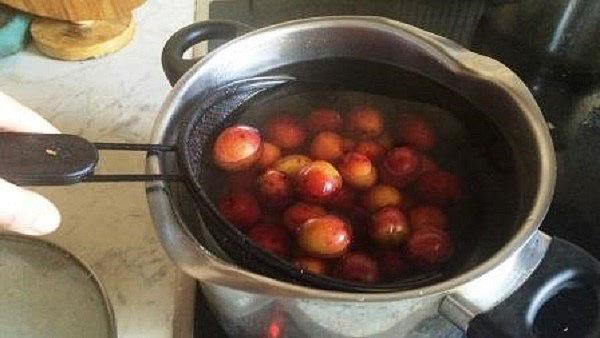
{"points": [[76, 10]]}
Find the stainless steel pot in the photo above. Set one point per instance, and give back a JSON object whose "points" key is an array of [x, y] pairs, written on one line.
{"points": [[499, 294]]}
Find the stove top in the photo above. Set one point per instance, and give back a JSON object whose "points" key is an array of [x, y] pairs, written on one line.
{"points": [[558, 72], [563, 76]]}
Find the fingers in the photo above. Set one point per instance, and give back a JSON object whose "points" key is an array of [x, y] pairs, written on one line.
{"points": [[16, 117], [25, 211]]}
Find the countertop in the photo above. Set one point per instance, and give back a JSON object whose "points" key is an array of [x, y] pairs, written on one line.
{"points": [[108, 226]]}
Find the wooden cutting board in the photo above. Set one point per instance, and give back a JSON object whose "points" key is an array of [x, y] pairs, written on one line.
{"points": [[84, 40], [79, 29], [76, 10]]}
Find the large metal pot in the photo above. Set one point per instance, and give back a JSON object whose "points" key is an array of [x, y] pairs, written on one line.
{"points": [[498, 293]]}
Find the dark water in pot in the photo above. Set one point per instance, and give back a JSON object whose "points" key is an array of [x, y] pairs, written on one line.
{"points": [[469, 145]]}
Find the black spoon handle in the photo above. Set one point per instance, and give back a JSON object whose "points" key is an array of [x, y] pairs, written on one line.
{"points": [[60, 159], [45, 159]]}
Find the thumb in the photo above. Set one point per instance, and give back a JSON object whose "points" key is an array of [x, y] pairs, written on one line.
{"points": [[25, 211]]}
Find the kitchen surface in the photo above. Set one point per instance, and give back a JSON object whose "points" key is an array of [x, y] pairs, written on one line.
{"points": [[107, 225], [116, 98]]}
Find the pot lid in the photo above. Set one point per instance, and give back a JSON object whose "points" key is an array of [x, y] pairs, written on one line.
{"points": [[47, 292]]}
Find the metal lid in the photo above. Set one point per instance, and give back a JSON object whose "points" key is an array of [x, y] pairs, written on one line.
{"points": [[47, 292]]}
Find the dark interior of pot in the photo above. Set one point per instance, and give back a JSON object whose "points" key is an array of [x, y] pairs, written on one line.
{"points": [[492, 151]]}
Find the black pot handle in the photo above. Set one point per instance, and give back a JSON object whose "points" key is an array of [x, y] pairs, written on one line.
{"points": [[172, 55], [61, 159], [562, 294]]}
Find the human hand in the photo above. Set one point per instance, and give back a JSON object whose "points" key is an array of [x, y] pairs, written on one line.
{"points": [[21, 210]]}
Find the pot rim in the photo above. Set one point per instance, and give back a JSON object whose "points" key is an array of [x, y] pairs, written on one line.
{"points": [[185, 249]]}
